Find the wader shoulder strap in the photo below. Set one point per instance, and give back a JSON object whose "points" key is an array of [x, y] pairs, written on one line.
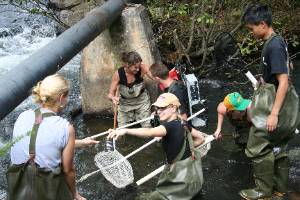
{"points": [[188, 135], [38, 119], [181, 153], [264, 50], [191, 143]]}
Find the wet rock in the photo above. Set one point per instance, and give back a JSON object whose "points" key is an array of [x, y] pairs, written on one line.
{"points": [[102, 57], [64, 4], [14, 30], [4, 32]]}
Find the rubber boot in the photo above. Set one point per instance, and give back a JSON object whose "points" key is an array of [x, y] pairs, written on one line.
{"points": [[281, 175], [263, 176]]}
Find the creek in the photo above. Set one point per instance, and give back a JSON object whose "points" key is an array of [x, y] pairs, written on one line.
{"points": [[226, 169]]}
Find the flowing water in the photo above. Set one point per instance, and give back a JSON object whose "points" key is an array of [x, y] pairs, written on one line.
{"points": [[226, 169]]}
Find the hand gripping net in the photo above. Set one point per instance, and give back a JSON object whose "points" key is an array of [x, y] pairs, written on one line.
{"points": [[115, 168]]}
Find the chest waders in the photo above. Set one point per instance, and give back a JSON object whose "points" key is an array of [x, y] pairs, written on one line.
{"points": [[268, 150], [182, 179], [29, 182], [241, 129], [134, 104]]}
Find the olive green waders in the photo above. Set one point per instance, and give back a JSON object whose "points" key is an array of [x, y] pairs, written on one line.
{"points": [[134, 105], [268, 150], [181, 180], [29, 182], [241, 128]]}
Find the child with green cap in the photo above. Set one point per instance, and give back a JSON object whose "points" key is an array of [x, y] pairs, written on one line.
{"points": [[236, 108]]}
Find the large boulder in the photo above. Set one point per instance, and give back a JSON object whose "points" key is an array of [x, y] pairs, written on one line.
{"points": [[101, 58]]}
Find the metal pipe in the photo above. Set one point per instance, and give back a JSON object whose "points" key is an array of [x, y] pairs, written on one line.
{"points": [[16, 84]]}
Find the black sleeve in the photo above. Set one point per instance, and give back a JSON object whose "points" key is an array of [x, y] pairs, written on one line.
{"points": [[182, 95], [277, 57], [168, 127]]}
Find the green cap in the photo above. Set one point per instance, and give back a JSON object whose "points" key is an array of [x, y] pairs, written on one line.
{"points": [[235, 101]]}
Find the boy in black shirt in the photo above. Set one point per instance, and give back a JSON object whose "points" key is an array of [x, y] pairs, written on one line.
{"points": [[160, 74], [270, 167]]}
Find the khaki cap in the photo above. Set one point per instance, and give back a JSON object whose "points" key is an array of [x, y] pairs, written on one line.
{"points": [[166, 99]]}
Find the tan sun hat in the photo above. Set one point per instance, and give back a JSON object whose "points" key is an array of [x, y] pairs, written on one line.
{"points": [[166, 99]]}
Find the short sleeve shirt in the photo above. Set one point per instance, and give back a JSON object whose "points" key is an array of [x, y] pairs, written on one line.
{"points": [[275, 60], [174, 140]]}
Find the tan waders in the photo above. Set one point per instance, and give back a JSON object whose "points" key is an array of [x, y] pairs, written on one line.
{"points": [[134, 105], [268, 149]]}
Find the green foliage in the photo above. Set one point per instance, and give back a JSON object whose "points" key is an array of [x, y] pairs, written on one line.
{"points": [[211, 18], [248, 45], [34, 10], [205, 18], [6, 147], [36, 7], [295, 40], [183, 9]]}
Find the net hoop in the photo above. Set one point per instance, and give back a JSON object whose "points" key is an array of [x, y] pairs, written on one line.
{"points": [[115, 168]]}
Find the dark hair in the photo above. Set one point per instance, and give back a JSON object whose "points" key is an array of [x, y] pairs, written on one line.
{"points": [[133, 58], [256, 14], [159, 70], [124, 56]]}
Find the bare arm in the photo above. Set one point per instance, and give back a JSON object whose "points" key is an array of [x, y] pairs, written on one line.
{"points": [[221, 114], [272, 120], [197, 137], [113, 88], [80, 143], [67, 161], [145, 71], [159, 131]]}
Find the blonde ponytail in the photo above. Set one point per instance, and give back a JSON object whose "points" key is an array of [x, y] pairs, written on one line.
{"points": [[36, 92], [49, 90]]}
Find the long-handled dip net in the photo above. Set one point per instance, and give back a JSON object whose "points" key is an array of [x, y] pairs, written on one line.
{"points": [[116, 168], [206, 146], [203, 148]]}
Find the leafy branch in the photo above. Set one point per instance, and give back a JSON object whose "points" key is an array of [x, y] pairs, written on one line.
{"points": [[6, 147], [35, 7]]}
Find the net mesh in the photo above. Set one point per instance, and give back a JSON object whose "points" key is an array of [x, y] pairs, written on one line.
{"points": [[205, 148], [115, 168]]}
